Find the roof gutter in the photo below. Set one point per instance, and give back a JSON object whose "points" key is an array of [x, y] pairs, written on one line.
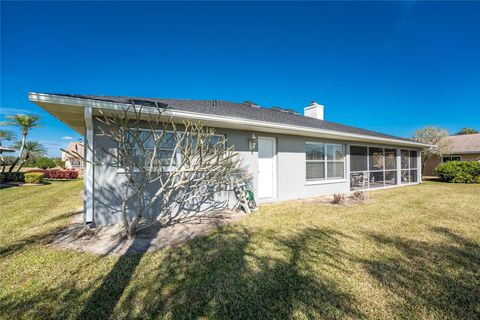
{"points": [[250, 124]]}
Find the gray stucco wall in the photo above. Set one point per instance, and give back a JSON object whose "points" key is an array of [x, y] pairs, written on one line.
{"points": [[290, 171]]}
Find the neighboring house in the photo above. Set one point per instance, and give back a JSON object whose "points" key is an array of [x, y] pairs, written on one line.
{"points": [[72, 162], [296, 156], [464, 147]]}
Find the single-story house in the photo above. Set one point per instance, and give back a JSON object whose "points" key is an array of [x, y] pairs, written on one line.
{"points": [[72, 162], [464, 147], [295, 156]]}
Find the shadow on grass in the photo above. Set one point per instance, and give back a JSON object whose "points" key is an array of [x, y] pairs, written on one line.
{"points": [[57, 301], [35, 239], [63, 216], [222, 277], [430, 280], [102, 302], [237, 274], [43, 237], [218, 276]]}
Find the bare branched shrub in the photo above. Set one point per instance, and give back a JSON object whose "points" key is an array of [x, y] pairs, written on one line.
{"points": [[438, 140], [338, 198], [360, 196], [165, 165]]}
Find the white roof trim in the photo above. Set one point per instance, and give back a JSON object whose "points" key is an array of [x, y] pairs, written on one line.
{"points": [[249, 124]]}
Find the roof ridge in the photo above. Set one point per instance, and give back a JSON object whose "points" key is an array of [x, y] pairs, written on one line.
{"points": [[242, 110], [463, 135]]}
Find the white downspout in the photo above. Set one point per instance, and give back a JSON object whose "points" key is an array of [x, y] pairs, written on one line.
{"points": [[88, 178], [398, 158], [347, 169], [419, 166]]}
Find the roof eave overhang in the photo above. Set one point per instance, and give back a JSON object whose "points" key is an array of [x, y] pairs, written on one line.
{"points": [[47, 100]]}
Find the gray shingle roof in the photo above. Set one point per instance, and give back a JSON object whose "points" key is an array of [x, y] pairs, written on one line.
{"points": [[465, 143], [239, 110]]}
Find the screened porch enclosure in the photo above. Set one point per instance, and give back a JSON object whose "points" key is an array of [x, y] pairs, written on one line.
{"points": [[378, 167]]}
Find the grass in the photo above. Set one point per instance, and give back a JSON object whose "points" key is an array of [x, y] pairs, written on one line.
{"points": [[411, 253]]}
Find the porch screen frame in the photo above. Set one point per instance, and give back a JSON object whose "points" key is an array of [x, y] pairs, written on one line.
{"points": [[366, 175]]}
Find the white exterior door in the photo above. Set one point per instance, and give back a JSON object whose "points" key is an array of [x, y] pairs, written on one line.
{"points": [[266, 167]]}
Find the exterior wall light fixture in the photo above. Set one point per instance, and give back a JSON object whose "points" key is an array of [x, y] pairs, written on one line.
{"points": [[252, 142]]}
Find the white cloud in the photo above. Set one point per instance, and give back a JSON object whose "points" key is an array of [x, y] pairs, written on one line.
{"points": [[12, 111], [49, 143], [67, 138]]}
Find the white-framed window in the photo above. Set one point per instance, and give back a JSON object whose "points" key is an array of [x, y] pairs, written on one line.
{"points": [[408, 166], [75, 163], [372, 167], [166, 151], [324, 161], [168, 157], [451, 158]]}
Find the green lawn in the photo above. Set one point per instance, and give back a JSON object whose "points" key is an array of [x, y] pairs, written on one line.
{"points": [[411, 253]]}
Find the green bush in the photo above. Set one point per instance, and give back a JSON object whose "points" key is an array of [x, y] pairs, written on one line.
{"points": [[459, 171], [59, 162], [34, 177], [46, 163], [12, 177], [30, 163]]}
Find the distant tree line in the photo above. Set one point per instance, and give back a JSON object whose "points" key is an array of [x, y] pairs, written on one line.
{"points": [[466, 131], [37, 162]]}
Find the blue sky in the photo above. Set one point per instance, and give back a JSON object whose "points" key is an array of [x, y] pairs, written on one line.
{"points": [[386, 66]]}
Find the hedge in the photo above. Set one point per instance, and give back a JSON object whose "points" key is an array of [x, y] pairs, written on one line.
{"points": [[12, 177], [34, 177], [58, 174], [459, 171]]}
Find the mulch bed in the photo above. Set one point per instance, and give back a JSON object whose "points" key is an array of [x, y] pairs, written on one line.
{"points": [[151, 236]]}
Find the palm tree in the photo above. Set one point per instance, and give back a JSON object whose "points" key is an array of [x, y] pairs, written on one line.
{"points": [[31, 150], [25, 122], [6, 135]]}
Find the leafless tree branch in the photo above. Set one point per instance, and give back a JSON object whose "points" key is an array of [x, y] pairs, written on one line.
{"points": [[166, 166]]}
